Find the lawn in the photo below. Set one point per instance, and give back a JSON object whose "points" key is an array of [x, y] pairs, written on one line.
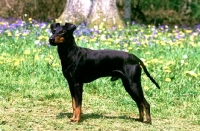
{"points": [[34, 94]]}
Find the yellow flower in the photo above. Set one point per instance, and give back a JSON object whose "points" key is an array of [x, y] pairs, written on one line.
{"points": [[160, 61], [188, 31], [17, 34], [24, 34], [146, 64], [168, 80], [193, 44], [163, 43], [40, 37], [22, 59], [27, 52], [191, 37], [43, 37], [170, 63], [16, 63], [47, 59], [110, 40], [107, 43], [9, 34], [167, 71], [154, 60], [88, 46], [36, 57], [125, 45], [50, 56], [130, 48], [34, 50], [36, 25], [182, 46], [92, 40], [192, 73], [55, 64], [166, 68], [146, 87], [148, 53]]}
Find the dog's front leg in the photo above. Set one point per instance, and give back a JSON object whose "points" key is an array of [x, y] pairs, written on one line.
{"points": [[76, 93]]}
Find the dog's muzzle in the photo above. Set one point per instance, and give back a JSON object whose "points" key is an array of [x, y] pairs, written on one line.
{"points": [[52, 41]]}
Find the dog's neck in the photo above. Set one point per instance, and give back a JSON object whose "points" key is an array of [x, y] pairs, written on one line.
{"points": [[67, 48]]}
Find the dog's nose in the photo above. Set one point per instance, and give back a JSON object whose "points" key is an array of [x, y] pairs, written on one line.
{"points": [[51, 40]]}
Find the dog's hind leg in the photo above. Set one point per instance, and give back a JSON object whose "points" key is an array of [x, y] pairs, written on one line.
{"points": [[132, 84]]}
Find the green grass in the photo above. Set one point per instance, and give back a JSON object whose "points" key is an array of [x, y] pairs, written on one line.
{"points": [[34, 94]]}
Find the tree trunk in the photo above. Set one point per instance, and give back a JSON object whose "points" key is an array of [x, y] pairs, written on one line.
{"points": [[92, 12], [75, 11], [105, 13], [127, 11]]}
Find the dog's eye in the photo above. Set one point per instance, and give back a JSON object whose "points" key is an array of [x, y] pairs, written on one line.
{"points": [[53, 31], [60, 32]]}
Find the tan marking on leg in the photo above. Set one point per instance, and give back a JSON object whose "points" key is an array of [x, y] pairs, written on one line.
{"points": [[148, 117], [76, 112], [73, 106]]}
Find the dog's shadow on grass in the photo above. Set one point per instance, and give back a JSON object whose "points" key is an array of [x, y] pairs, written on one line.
{"points": [[94, 116]]}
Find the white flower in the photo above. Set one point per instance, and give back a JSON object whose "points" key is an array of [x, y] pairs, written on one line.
{"points": [[37, 42], [182, 61], [185, 56]]}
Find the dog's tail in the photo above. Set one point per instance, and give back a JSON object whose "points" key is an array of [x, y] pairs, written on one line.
{"points": [[147, 73]]}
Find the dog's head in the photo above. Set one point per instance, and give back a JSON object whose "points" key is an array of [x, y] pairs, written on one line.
{"points": [[61, 33]]}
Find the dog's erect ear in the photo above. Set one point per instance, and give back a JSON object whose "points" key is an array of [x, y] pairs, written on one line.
{"points": [[70, 27], [57, 24], [53, 26]]}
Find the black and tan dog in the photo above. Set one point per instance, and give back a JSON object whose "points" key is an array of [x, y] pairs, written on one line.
{"points": [[82, 65]]}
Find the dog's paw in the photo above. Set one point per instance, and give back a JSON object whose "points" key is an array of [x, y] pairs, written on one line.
{"points": [[74, 119]]}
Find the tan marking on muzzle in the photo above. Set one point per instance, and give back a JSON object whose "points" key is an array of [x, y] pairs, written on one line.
{"points": [[59, 39]]}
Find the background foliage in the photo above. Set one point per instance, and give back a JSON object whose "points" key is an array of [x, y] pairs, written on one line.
{"points": [[37, 9], [145, 11]]}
